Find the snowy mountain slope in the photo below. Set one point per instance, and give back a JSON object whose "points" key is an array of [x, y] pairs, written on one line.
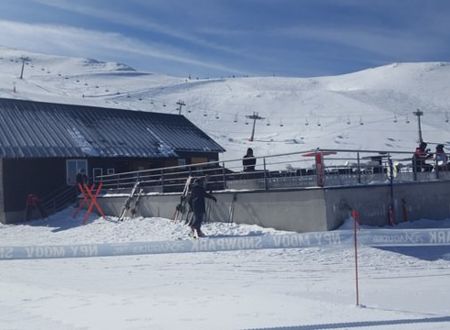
{"points": [[368, 109]]}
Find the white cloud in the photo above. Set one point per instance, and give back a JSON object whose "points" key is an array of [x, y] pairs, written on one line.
{"points": [[385, 42], [135, 22], [59, 39]]}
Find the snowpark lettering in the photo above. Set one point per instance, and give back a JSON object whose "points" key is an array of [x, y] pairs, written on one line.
{"points": [[61, 251], [45, 252], [440, 237], [398, 238], [328, 238], [84, 250], [224, 244], [287, 241], [6, 253]]}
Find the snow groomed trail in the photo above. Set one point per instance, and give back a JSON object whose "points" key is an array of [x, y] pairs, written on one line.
{"points": [[344, 238]]}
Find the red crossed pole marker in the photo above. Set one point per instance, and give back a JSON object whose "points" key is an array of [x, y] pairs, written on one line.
{"points": [[89, 198]]}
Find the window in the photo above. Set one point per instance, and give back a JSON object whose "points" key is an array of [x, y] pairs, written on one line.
{"points": [[110, 171], [73, 167], [96, 172]]}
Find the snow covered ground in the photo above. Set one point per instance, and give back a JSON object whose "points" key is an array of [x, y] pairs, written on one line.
{"points": [[307, 288]]}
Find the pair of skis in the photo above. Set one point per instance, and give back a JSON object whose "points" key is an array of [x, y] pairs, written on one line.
{"points": [[135, 197], [181, 207]]}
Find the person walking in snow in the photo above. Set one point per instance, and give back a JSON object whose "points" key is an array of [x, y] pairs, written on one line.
{"points": [[197, 204]]}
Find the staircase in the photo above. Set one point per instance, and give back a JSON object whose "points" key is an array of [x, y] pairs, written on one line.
{"points": [[59, 199]]}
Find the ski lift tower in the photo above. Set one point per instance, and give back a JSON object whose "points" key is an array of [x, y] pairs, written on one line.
{"points": [[24, 59], [255, 116], [180, 105], [419, 113]]}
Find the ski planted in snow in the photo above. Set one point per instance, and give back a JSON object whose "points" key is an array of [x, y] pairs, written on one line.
{"points": [[134, 209], [127, 205]]}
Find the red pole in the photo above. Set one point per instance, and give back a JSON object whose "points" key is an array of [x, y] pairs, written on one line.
{"points": [[93, 203], [320, 170], [85, 200], [355, 216]]}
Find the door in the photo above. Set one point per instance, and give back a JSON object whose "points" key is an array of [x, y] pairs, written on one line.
{"points": [[73, 167], [96, 172]]}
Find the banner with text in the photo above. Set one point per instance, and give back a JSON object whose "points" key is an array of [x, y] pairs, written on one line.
{"points": [[375, 237]]}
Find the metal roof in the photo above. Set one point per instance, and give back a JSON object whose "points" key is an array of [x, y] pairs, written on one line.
{"points": [[30, 129]]}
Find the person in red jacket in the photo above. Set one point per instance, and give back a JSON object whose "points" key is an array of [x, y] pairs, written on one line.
{"points": [[33, 202], [419, 159]]}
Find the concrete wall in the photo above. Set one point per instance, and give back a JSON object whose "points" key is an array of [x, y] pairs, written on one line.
{"points": [[306, 210], [412, 201], [296, 210]]}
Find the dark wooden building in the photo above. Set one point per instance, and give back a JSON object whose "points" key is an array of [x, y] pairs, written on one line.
{"points": [[44, 145]]}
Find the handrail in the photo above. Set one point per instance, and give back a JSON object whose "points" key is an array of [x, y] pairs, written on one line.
{"points": [[340, 165], [59, 199]]}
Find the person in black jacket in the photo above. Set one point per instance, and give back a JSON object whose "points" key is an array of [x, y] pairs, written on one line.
{"points": [[81, 177], [197, 204], [249, 161]]}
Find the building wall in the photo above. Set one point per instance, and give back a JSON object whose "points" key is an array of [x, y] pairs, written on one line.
{"points": [[121, 164], [25, 176], [2, 195], [42, 176]]}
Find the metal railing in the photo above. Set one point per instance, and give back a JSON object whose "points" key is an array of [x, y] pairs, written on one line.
{"points": [[59, 199], [307, 168]]}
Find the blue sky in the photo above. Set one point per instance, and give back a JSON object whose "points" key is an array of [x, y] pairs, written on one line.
{"points": [[213, 38]]}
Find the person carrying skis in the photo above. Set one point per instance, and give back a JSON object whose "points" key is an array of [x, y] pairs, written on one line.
{"points": [[197, 204]]}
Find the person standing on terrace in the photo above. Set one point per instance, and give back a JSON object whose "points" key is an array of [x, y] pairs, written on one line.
{"points": [[249, 161]]}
